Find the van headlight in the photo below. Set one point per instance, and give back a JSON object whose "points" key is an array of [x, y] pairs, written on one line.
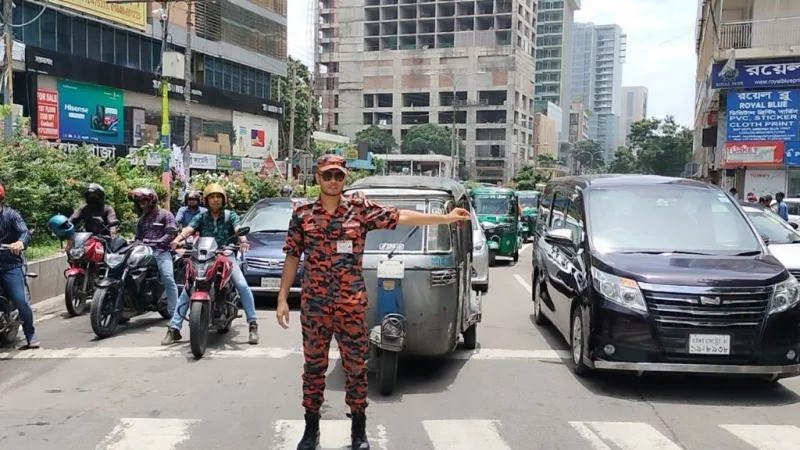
{"points": [[479, 246], [114, 260], [622, 291], [786, 295]]}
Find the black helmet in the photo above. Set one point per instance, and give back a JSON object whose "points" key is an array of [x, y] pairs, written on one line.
{"points": [[192, 195], [94, 194], [286, 191]]}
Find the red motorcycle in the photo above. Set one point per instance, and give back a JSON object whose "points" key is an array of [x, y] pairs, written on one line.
{"points": [[85, 256], [213, 299]]}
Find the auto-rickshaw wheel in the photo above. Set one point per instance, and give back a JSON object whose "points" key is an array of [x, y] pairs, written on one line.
{"points": [[471, 337], [387, 371], [492, 258], [516, 256]]}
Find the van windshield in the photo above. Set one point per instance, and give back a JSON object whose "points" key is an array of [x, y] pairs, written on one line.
{"points": [[663, 219], [493, 204]]}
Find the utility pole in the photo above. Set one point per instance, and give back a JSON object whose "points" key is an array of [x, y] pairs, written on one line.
{"points": [[165, 132], [187, 78], [291, 119], [8, 92], [453, 137]]}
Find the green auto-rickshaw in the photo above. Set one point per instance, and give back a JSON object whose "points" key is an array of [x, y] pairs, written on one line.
{"points": [[528, 202], [498, 212]]}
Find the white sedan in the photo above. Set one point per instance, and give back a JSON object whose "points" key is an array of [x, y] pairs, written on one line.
{"points": [[480, 257], [781, 236]]}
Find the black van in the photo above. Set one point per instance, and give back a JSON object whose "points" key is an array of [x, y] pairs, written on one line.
{"points": [[645, 273]]}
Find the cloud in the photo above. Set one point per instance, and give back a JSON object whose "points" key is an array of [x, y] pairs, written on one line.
{"points": [[660, 49]]}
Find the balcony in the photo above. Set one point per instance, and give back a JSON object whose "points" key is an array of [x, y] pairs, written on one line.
{"points": [[744, 34]]}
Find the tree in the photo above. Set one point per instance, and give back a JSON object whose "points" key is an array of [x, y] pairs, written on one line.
{"points": [[281, 87], [546, 160], [662, 146], [589, 154], [624, 161], [428, 138], [377, 139], [528, 177]]}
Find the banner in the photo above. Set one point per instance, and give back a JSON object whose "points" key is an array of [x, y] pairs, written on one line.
{"points": [[133, 15], [753, 154], [757, 74], [763, 116], [90, 113], [225, 162], [255, 136], [47, 113]]}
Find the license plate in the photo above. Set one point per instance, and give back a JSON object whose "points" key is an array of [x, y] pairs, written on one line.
{"points": [[273, 284], [709, 344], [391, 269]]}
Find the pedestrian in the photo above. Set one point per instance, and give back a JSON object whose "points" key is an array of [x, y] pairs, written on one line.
{"points": [[14, 233], [190, 209], [762, 201], [734, 193], [332, 231], [751, 197], [781, 207]]}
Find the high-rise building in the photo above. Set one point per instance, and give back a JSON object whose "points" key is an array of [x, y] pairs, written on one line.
{"points": [[103, 60], [634, 109], [400, 64], [578, 123], [598, 52], [553, 47]]}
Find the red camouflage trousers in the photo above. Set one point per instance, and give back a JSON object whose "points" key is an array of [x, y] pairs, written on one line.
{"points": [[351, 336]]}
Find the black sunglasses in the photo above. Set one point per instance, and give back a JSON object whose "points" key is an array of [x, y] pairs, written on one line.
{"points": [[328, 175]]}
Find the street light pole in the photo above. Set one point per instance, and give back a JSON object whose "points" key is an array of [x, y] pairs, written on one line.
{"points": [[8, 92]]}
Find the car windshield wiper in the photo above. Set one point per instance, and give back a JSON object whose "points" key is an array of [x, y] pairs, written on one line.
{"points": [[749, 253], [275, 230], [664, 252]]}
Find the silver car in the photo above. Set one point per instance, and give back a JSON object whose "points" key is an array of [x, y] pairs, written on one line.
{"points": [[480, 257]]}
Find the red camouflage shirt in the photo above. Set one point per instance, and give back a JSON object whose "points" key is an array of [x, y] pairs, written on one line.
{"points": [[333, 278]]}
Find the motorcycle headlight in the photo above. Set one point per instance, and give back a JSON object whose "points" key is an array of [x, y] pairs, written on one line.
{"points": [[622, 291], [114, 260], [77, 253], [786, 295]]}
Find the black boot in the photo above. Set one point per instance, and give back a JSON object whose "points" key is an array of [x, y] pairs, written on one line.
{"points": [[358, 432], [310, 439]]}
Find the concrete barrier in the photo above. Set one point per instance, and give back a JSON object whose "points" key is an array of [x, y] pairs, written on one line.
{"points": [[51, 281]]}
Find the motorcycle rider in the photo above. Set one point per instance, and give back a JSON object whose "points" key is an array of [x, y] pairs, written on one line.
{"points": [[186, 213], [14, 233], [152, 226], [220, 224], [95, 206], [286, 191]]}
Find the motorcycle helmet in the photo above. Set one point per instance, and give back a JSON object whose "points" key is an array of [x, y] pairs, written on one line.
{"points": [[215, 188], [2, 193], [61, 226], [192, 195], [286, 191], [94, 194]]}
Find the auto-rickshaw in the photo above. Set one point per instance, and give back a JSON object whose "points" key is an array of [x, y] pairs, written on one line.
{"points": [[528, 202], [498, 212], [418, 279]]}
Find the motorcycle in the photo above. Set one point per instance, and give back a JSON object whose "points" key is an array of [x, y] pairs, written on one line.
{"points": [[129, 287], [213, 299], [85, 257], [9, 316]]}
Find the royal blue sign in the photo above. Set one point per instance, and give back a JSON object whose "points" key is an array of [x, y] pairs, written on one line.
{"points": [[757, 74], [763, 116], [792, 157]]}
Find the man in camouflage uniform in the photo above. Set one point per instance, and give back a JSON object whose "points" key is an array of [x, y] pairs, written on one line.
{"points": [[331, 232]]}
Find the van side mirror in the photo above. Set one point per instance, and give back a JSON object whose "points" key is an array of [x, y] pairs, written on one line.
{"points": [[765, 238], [794, 225], [562, 237], [242, 231]]}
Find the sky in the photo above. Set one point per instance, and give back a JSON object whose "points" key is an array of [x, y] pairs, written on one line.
{"points": [[660, 47]]}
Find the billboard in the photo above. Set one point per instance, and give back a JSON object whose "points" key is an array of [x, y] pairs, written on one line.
{"points": [[763, 116], [90, 113], [739, 154], [255, 136], [133, 15], [757, 74], [47, 113]]}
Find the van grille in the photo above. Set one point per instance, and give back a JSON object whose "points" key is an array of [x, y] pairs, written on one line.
{"points": [[265, 264], [679, 311]]}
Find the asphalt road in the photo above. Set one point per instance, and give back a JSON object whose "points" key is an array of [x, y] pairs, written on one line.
{"points": [[514, 392]]}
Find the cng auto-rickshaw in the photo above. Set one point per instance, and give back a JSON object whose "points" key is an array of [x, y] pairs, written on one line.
{"points": [[528, 202], [418, 279], [498, 212]]}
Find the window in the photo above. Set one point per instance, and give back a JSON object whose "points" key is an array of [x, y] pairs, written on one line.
{"points": [[559, 213], [575, 219], [107, 38], [64, 33], [48, 26], [543, 219], [79, 41]]}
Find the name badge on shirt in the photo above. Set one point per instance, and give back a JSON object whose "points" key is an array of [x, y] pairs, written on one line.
{"points": [[344, 246]]}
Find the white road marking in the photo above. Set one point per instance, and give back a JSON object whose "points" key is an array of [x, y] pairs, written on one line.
{"points": [[45, 317], [525, 248], [524, 283], [465, 435], [623, 435], [767, 437], [334, 434], [255, 352], [150, 434], [6, 384]]}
